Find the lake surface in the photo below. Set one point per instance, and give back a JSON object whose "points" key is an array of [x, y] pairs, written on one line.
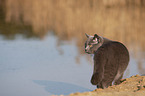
{"points": [[34, 67]]}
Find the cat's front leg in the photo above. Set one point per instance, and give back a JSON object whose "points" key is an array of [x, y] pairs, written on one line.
{"points": [[97, 78]]}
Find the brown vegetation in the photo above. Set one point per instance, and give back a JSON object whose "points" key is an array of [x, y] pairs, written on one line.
{"points": [[121, 20]]}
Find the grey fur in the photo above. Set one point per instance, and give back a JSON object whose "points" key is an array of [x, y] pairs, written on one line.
{"points": [[110, 60]]}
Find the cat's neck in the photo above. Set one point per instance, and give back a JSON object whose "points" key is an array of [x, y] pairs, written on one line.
{"points": [[104, 40]]}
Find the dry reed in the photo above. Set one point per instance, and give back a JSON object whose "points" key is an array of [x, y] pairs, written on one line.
{"points": [[122, 20]]}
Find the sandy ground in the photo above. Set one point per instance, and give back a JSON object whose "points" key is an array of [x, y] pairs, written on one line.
{"points": [[133, 86]]}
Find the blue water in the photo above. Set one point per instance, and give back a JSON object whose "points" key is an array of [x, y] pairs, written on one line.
{"points": [[33, 67]]}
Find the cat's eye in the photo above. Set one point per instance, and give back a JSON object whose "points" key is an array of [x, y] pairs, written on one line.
{"points": [[90, 45]]}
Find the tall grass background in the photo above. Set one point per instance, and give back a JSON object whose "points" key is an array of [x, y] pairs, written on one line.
{"points": [[121, 20]]}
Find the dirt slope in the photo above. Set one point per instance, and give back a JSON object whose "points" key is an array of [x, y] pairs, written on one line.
{"points": [[133, 86]]}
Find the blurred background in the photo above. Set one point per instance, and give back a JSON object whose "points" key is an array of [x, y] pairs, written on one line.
{"points": [[42, 42]]}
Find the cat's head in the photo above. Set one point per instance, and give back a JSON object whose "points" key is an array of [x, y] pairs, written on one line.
{"points": [[93, 43]]}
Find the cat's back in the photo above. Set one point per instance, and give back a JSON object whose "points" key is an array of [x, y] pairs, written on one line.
{"points": [[113, 51], [117, 49]]}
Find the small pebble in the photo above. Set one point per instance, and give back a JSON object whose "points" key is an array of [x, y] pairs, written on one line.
{"points": [[137, 75]]}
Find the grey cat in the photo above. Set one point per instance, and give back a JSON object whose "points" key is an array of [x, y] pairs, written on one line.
{"points": [[111, 58]]}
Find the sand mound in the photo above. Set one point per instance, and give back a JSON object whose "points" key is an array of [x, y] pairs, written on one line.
{"points": [[133, 86]]}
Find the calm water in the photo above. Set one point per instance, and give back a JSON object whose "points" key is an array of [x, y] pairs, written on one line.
{"points": [[33, 67]]}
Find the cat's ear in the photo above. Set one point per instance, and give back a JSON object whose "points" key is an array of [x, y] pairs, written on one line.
{"points": [[87, 35], [96, 38]]}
